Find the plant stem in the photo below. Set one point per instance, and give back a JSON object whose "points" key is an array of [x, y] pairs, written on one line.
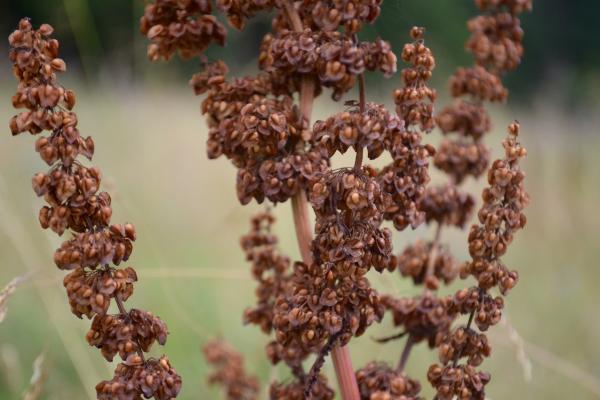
{"points": [[428, 272], [340, 355], [362, 107], [405, 353], [302, 225]]}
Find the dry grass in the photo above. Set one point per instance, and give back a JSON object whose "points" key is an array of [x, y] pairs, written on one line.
{"points": [[193, 275]]}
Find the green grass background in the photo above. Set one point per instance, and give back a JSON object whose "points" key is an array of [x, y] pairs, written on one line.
{"points": [[150, 147]]}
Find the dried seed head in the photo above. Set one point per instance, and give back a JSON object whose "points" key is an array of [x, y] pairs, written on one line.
{"points": [[76, 204], [447, 205], [332, 58], [377, 381], [270, 269], [414, 261], [230, 372], [414, 101], [186, 27], [424, 317], [151, 378]]}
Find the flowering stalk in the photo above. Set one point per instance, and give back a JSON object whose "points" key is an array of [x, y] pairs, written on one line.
{"points": [[75, 204], [342, 361], [496, 45], [318, 305]]}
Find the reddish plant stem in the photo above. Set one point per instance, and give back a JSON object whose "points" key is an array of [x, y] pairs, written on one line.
{"points": [[340, 355], [302, 225], [362, 107]]}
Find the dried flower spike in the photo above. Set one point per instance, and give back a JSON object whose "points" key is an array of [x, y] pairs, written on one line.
{"points": [[317, 305], [76, 205]]}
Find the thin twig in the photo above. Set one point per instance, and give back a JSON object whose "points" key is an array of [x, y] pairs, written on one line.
{"points": [[386, 339], [405, 353]]}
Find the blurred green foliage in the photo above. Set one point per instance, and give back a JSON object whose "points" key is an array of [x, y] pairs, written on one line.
{"points": [[561, 39]]}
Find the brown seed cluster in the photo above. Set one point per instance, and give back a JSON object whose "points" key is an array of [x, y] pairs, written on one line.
{"points": [[90, 292], [184, 26], [465, 118], [239, 11], [126, 334], [93, 249], [378, 381], [262, 136], [414, 102], [405, 180], [349, 205], [486, 309], [496, 40], [514, 6], [462, 158], [321, 305], [467, 343], [500, 216], [334, 60], [295, 390], [447, 205], [463, 382], [372, 129], [75, 204], [331, 15], [152, 378], [424, 317], [318, 305], [269, 268], [495, 43], [230, 372], [479, 83], [414, 262]]}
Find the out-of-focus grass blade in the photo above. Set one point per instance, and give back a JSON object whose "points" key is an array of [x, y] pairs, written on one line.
{"points": [[7, 292], [36, 383]]}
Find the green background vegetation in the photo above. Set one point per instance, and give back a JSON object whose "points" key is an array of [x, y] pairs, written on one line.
{"points": [[150, 145]]}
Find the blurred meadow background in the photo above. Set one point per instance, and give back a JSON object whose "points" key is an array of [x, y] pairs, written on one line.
{"points": [[150, 138]]}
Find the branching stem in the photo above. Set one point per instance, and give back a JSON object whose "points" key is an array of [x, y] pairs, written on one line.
{"points": [[340, 355]]}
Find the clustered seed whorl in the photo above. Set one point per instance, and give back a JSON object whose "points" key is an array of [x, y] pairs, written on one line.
{"points": [[76, 205], [315, 305], [184, 26], [414, 262], [331, 58], [271, 270], [379, 381], [406, 177], [230, 372], [414, 102], [460, 155], [261, 131], [495, 43], [333, 15], [500, 216]]}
